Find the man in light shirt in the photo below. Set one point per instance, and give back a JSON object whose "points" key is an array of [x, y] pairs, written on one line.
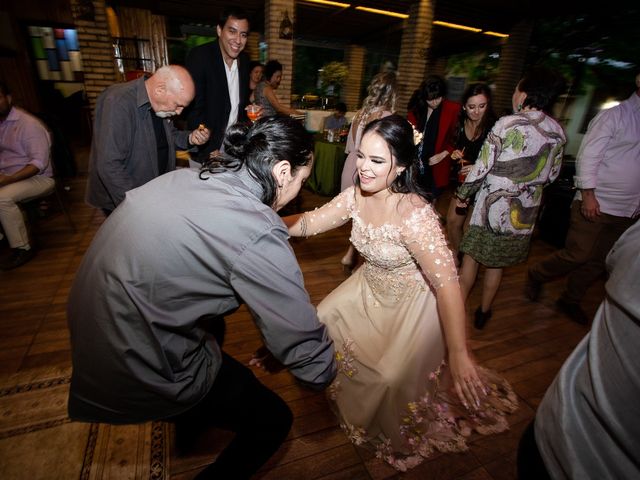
{"points": [[25, 173], [606, 204], [220, 71], [337, 119]]}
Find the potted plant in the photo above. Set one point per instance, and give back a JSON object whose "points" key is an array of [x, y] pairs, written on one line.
{"points": [[332, 77]]}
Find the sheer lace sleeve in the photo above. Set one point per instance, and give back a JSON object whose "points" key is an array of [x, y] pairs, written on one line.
{"points": [[423, 236], [327, 217]]}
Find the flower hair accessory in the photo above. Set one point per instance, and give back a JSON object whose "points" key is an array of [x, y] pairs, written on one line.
{"points": [[417, 136]]}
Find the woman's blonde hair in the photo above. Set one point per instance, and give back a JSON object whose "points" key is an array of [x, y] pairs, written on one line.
{"points": [[381, 95]]}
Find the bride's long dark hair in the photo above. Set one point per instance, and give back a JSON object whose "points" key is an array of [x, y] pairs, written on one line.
{"points": [[397, 133], [259, 147]]}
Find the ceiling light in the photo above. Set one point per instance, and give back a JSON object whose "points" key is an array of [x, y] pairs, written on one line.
{"points": [[383, 12], [328, 2], [496, 34], [455, 25]]}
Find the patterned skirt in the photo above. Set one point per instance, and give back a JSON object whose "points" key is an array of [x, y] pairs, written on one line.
{"points": [[495, 249]]}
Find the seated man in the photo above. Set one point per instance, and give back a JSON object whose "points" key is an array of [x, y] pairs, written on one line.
{"points": [[25, 173], [337, 119]]}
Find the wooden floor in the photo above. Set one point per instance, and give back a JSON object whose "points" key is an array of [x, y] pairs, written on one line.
{"points": [[527, 342]]}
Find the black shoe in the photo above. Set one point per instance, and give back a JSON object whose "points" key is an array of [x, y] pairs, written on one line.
{"points": [[573, 311], [532, 287], [18, 257], [481, 318]]}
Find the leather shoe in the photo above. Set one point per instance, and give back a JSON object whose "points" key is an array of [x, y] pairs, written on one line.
{"points": [[573, 311], [481, 318], [532, 288], [18, 257]]}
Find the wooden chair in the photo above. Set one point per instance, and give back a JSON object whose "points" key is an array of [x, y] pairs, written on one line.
{"points": [[62, 163], [39, 207]]}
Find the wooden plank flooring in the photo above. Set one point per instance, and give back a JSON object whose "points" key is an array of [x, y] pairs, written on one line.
{"points": [[527, 342]]}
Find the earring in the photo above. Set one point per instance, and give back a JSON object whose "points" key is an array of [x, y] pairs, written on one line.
{"points": [[398, 173], [519, 106]]}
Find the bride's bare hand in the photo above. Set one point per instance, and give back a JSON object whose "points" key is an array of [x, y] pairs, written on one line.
{"points": [[466, 382]]}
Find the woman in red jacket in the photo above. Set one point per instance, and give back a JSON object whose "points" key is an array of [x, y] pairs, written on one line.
{"points": [[433, 116]]}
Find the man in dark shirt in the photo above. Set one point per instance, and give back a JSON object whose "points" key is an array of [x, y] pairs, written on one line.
{"points": [[134, 139]]}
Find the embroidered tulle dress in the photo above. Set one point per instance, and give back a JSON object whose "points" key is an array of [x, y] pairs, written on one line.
{"points": [[393, 390]]}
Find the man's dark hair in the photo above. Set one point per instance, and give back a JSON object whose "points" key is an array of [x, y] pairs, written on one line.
{"points": [[259, 147], [341, 107], [235, 12], [4, 88]]}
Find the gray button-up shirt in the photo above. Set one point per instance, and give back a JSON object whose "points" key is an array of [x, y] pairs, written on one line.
{"points": [[178, 249], [588, 424]]}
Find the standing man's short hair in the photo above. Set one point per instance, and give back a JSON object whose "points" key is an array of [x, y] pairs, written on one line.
{"points": [[235, 12]]}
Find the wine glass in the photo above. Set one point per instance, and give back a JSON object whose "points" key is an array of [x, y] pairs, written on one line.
{"points": [[253, 112]]}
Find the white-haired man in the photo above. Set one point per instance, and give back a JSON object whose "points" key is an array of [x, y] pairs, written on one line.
{"points": [[134, 138]]}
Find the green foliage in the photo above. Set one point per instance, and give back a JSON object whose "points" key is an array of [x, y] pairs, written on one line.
{"points": [[197, 40], [587, 49], [307, 61], [334, 73], [477, 66]]}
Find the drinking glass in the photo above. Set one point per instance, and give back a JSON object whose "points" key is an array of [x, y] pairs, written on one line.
{"points": [[253, 112]]}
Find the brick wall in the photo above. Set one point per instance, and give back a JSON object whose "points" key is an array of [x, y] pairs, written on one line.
{"points": [[97, 52], [253, 46], [277, 48], [354, 58], [511, 65], [416, 39]]}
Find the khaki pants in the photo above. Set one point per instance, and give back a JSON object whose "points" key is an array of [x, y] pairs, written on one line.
{"points": [[10, 214], [584, 254]]}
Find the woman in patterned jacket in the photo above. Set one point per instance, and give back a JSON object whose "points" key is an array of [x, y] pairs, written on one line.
{"points": [[521, 155]]}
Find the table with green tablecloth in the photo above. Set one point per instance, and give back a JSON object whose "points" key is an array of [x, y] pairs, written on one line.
{"points": [[327, 167]]}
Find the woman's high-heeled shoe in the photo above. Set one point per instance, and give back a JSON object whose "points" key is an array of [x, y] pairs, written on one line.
{"points": [[481, 318]]}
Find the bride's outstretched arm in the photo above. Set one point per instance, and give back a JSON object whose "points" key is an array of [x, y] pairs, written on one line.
{"points": [[330, 215], [452, 315], [425, 240], [294, 224]]}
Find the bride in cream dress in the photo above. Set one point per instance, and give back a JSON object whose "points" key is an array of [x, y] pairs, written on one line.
{"points": [[406, 384]]}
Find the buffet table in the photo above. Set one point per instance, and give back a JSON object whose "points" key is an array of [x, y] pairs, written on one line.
{"points": [[314, 119], [327, 167]]}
